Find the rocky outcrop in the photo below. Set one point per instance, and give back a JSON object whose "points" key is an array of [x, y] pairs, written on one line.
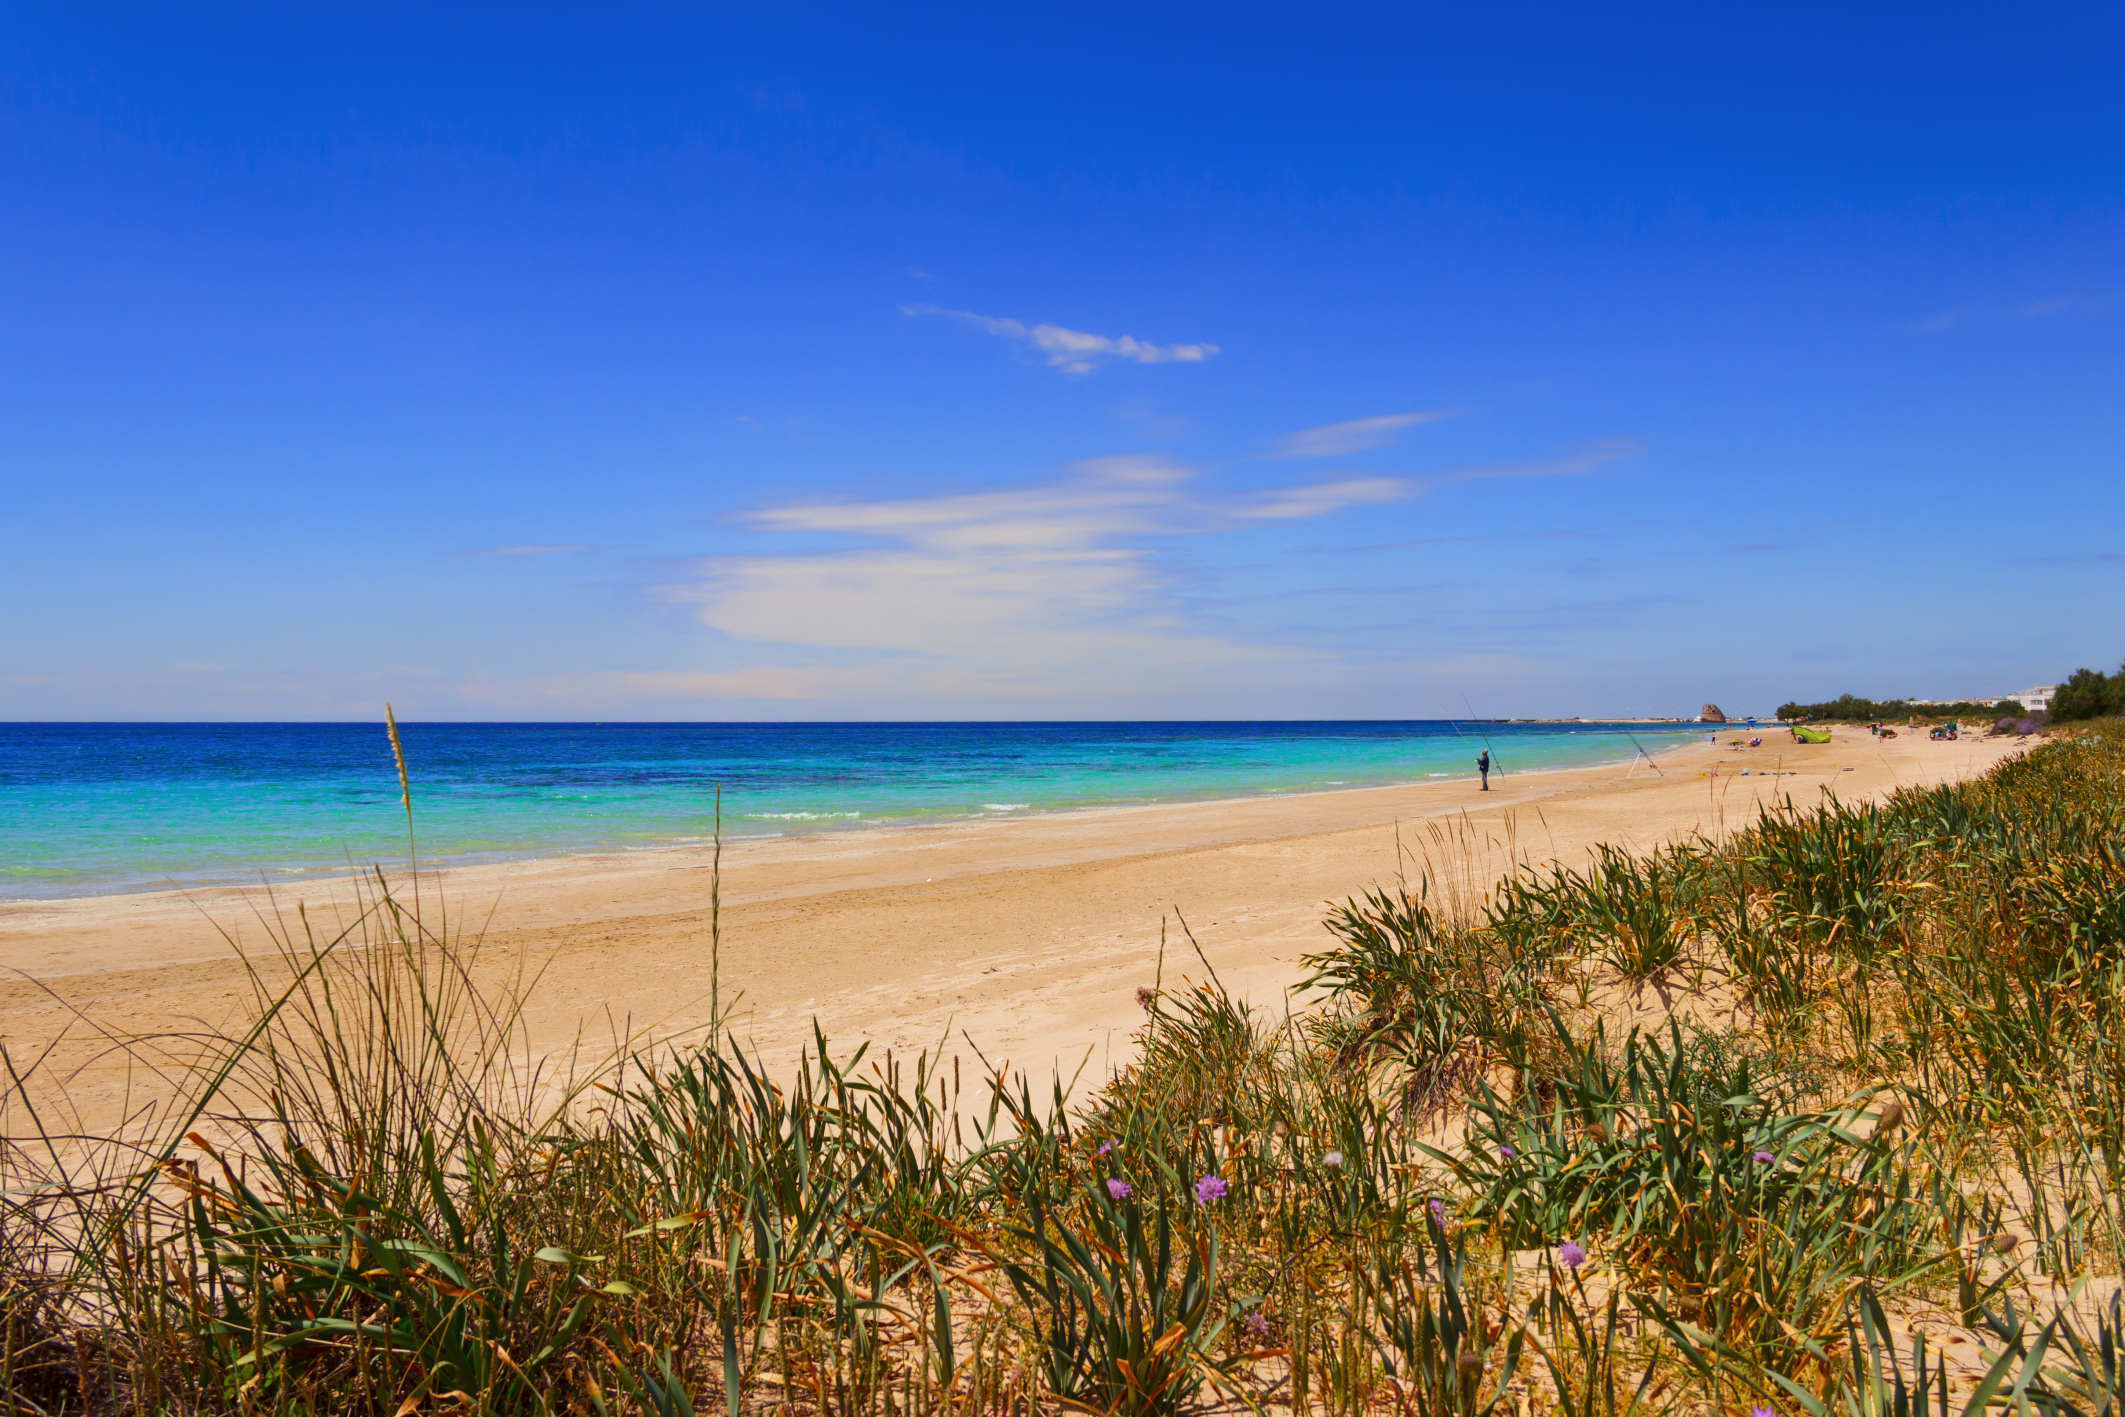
{"points": [[1711, 714]]}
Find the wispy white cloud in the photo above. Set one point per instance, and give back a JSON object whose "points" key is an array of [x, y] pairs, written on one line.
{"points": [[2069, 304], [1588, 457], [1074, 351], [1097, 500], [1353, 436], [1034, 588], [1324, 497], [1057, 589], [1990, 315], [1355, 491]]}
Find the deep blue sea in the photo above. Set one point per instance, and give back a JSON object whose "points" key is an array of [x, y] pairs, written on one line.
{"points": [[89, 809]]}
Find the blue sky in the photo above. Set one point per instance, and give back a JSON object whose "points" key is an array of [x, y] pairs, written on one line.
{"points": [[1100, 361]]}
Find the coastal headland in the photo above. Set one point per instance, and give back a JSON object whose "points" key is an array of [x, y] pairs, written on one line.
{"points": [[1027, 936]]}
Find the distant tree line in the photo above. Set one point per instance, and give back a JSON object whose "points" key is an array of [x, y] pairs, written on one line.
{"points": [[2089, 693], [1852, 709]]}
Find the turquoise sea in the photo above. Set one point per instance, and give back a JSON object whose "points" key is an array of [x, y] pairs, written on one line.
{"points": [[95, 808]]}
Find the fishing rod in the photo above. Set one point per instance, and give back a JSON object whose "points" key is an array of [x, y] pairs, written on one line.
{"points": [[1485, 732], [1463, 736], [1643, 753]]}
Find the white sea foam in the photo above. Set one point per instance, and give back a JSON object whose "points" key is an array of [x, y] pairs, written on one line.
{"points": [[799, 816], [1005, 806]]}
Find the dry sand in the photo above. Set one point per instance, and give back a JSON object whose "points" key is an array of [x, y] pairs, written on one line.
{"points": [[1028, 936]]}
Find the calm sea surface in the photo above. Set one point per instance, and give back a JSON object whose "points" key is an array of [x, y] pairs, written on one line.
{"points": [[89, 809]]}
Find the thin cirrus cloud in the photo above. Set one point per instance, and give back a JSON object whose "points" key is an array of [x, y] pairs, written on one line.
{"points": [[2069, 304], [1587, 458], [1938, 324], [1037, 589], [1354, 436], [1321, 498], [1073, 351], [2043, 309], [1052, 589]]}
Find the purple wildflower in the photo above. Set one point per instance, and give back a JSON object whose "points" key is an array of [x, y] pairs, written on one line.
{"points": [[1105, 1147], [1117, 1187], [1761, 1412], [1764, 1158], [1256, 1323], [1208, 1189], [1572, 1255], [1438, 1212], [1506, 1152]]}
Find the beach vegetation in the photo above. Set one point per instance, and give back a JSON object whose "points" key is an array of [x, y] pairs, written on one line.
{"points": [[2089, 693], [1825, 1115], [1850, 708]]}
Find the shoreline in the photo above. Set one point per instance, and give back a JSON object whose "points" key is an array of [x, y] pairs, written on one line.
{"points": [[303, 877], [1026, 934]]}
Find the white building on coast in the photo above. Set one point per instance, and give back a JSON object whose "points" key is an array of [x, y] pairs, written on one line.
{"points": [[2037, 700]]}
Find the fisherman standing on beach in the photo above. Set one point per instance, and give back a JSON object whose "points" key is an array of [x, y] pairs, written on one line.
{"points": [[1483, 766]]}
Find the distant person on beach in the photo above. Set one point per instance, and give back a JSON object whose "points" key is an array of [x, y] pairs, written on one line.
{"points": [[1483, 766]]}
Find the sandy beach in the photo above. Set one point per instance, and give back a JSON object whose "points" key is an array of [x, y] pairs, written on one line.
{"points": [[1027, 936]]}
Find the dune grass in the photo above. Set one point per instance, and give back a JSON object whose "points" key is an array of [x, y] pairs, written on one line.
{"points": [[1872, 1161]]}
